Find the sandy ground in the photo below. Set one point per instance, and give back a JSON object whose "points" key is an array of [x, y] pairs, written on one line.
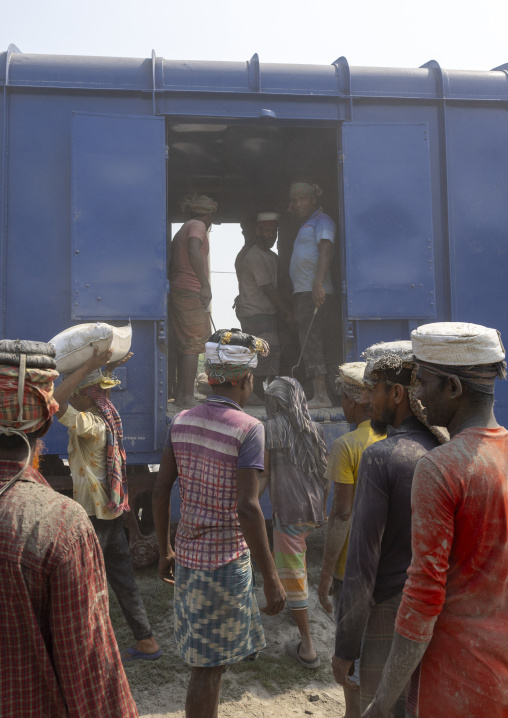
{"points": [[275, 685]]}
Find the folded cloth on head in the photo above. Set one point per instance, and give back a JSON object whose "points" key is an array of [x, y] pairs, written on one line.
{"points": [[35, 389], [350, 379], [299, 189], [457, 344], [394, 356], [195, 202], [231, 354]]}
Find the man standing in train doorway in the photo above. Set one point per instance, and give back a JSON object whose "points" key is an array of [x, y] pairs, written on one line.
{"points": [[190, 292], [312, 284], [259, 302]]}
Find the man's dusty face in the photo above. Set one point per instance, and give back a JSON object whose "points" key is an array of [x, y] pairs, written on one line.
{"points": [[377, 399], [431, 393], [81, 403], [303, 205], [266, 235]]}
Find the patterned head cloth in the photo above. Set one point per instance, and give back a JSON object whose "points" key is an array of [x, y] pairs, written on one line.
{"points": [[391, 358], [470, 351], [350, 380], [305, 189], [27, 373], [95, 377], [230, 355], [198, 203], [115, 458], [290, 427]]}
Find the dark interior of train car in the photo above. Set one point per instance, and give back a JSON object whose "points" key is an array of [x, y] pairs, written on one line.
{"points": [[249, 168]]}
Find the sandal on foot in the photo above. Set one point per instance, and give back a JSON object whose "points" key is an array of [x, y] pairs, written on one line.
{"points": [[135, 655], [292, 649]]}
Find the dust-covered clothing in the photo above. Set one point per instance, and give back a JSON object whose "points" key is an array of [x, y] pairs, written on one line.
{"points": [[380, 535], [190, 320], [343, 465], [87, 460], [217, 618], [304, 259], [316, 336], [59, 654], [264, 326], [210, 443], [259, 267], [289, 554], [181, 274], [456, 595]]}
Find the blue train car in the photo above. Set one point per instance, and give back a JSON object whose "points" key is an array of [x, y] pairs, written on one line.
{"points": [[96, 151]]}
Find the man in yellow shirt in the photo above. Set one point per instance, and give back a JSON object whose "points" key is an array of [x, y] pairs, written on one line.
{"points": [[342, 469], [97, 464]]}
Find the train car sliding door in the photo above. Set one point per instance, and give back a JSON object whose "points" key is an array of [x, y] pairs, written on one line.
{"points": [[119, 256], [389, 265]]}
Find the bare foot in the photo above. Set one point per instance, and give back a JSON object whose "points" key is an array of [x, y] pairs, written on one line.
{"points": [[320, 402]]}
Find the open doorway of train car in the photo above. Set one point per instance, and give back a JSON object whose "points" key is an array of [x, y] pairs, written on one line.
{"points": [[248, 169]]}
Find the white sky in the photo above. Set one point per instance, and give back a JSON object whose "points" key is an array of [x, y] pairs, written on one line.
{"points": [[459, 34]]}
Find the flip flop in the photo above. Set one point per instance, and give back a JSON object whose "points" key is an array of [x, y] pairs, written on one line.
{"points": [[135, 655], [292, 650]]}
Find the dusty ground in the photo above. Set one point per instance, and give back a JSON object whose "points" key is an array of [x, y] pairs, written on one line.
{"points": [[274, 685]]}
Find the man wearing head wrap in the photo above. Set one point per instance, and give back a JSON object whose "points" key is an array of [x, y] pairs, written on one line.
{"points": [[379, 551], [343, 465], [259, 301], [59, 655], [312, 285], [216, 451], [451, 636], [189, 291], [97, 462], [295, 464]]}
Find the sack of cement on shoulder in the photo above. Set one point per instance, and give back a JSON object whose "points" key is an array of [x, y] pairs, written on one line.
{"points": [[75, 345]]}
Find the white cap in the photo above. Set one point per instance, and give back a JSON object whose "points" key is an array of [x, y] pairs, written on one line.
{"points": [[268, 217], [457, 344]]}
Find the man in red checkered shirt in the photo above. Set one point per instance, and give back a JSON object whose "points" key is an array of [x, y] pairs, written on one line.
{"points": [[59, 655]]}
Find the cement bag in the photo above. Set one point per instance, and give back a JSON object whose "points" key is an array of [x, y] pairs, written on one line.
{"points": [[75, 345]]}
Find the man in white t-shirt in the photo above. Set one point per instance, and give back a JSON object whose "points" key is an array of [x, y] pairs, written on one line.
{"points": [[309, 270]]}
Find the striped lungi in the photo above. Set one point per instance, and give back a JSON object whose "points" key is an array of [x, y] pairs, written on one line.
{"points": [[289, 550], [217, 618], [376, 645], [264, 326]]}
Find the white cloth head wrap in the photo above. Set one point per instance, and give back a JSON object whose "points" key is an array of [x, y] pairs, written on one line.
{"points": [[457, 344], [230, 354], [198, 202]]}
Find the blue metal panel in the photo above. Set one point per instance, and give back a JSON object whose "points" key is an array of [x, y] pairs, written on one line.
{"points": [[119, 217], [478, 171], [388, 221]]}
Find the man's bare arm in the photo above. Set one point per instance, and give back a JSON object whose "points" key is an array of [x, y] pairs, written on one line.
{"points": [[161, 509], [65, 389], [275, 298], [198, 265], [336, 534], [405, 655], [253, 527], [325, 248]]}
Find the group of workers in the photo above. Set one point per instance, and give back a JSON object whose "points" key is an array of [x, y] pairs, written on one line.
{"points": [[261, 308], [416, 550]]}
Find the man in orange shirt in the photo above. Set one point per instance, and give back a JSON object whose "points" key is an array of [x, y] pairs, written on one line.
{"points": [[451, 631]]}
